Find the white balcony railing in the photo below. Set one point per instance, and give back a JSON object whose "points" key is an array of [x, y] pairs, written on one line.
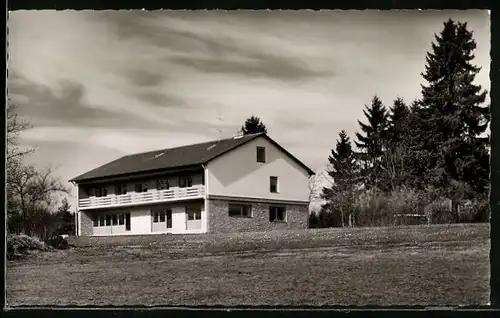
{"points": [[133, 198]]}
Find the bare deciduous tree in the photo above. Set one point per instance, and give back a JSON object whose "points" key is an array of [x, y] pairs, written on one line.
{"points": [[30, 193], [316, 184], [15, 125], [394, 168], [29, 190]]}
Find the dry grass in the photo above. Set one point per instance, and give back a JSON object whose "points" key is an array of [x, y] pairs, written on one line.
{"points": [[415, 265]]}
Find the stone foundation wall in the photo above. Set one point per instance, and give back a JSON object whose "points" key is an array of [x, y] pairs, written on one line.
{"points": [[219, 220], [86, 223]]}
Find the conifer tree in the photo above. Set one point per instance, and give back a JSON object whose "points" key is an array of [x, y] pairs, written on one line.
{"points": [[66, 218], [398, 121], [371, 141], [395, 160], [343, 172], [253, 125], [342, 161], [452, 117]]}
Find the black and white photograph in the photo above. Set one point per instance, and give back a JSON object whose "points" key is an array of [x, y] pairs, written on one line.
{"points": [[248, 158]]}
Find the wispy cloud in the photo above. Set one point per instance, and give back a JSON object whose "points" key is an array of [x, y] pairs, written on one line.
{"points": [[64, 104], [143, 78]]}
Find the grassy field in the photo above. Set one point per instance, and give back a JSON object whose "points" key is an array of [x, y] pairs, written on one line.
{"points": [[414, 265]]}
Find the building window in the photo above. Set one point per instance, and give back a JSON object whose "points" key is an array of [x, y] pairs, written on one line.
{"points": [[163, 216], [261, 154], [273, 184], [159, 216], [101, 191], [108, 220], [242, 210], [169, 219], [127, 221], [141, 187], [185, 181], [121, 189], [193, 215], [162, 184], [277, 214]]}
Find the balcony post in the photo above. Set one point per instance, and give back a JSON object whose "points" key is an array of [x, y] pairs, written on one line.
{"points": [[77, 196], [77, 208], [204, 190]]}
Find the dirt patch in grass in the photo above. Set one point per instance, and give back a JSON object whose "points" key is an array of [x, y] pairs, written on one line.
{"points": [[419, 265]]}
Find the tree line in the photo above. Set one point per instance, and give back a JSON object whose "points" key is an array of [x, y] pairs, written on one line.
{"points": [[429, 158]]}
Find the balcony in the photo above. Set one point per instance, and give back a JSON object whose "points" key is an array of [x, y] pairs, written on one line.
{"points": [[138, 198]]}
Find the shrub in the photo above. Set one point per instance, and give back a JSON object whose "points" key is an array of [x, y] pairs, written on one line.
{"points": [[473, 211], [440, 212], [18, 245], [58, 242], [14, 222], [408, 205], [372, 209], [482, 211], [405, 201], [466, 211], [328, 217], [403, 206]]}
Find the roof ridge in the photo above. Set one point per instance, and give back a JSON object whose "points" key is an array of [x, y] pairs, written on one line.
{"points": [[188, 145]]}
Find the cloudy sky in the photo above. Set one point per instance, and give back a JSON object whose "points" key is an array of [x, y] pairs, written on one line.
{"points": [[99, 85]]}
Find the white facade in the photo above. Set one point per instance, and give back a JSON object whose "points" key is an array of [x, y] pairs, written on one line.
{"points": [[238, 174], [140, 218], [141, 221]]}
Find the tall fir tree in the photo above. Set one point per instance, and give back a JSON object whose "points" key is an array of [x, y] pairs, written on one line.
{"points": [[343, 171], [452, 116], [342, 161], [66, 218], [395, 158], [253, 125], [371, 141], [416, 159], [398, 121]]}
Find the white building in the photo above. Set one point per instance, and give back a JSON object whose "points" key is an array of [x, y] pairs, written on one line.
{"points": [[246, 183]]}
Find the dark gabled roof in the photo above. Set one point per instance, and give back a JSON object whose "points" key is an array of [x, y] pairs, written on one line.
{"points": [[172, 158]]}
